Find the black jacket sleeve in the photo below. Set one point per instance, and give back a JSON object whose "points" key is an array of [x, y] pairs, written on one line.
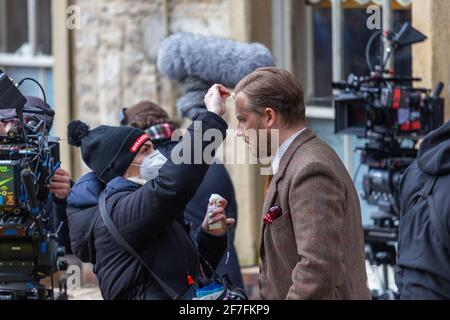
{"points": [[211, 249], [141, 215]]}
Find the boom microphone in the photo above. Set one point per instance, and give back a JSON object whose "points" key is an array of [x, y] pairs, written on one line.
{"points": [[211, 59], [198, 62]]}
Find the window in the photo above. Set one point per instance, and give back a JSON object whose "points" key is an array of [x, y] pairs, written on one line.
{"points": [[26, 43], [356, 37], [25, 27]]}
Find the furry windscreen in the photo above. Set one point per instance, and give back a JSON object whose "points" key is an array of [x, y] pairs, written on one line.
{"points": [[197, 62], [210, 59]]}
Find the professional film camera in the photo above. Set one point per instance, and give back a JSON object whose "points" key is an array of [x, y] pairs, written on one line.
{"points": [[28, 158], [392, 116]]}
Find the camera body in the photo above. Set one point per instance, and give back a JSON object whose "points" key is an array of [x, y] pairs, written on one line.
{"points": [[29, 249], [18, 237], [386, 106], [392, 116]]}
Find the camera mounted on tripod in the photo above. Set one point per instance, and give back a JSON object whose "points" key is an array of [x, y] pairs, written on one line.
{"points": [[391, 115]]}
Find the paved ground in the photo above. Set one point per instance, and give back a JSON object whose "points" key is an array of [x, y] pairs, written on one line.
{"points": [[375, 278], [85, 294]]}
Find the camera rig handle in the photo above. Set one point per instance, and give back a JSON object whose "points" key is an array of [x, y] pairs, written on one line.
{"points": [[27, 178], [437, 90]]}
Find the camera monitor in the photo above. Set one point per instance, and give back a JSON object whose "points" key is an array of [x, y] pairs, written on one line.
{"points": [[351, 114], [10, 95], [8, 188]]}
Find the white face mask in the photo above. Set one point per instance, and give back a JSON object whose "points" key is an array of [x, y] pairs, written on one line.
{"points": [[150, 165]]}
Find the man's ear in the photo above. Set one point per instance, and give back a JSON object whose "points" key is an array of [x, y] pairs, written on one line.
{"points": [[271, 117]]}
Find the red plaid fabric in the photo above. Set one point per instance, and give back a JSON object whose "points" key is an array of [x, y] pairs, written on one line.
{"points": [[273, 214], [161, 132]]}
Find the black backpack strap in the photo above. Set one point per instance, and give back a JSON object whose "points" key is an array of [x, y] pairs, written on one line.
{"points": [[438, 225], [127, 247], [428, 187]]}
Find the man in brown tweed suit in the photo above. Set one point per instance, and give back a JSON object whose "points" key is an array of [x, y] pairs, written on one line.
{"points": [[312, 243]]}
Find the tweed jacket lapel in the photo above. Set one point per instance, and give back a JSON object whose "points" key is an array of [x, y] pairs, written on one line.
{"points": [[303, 138]]}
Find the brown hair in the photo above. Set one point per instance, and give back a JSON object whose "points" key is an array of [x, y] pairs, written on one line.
{"points": [[145, 114], [274, 88]]}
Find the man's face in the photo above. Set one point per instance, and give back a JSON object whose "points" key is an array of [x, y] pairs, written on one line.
{"points": [[7, 125], [146, 150], [249, 125]]}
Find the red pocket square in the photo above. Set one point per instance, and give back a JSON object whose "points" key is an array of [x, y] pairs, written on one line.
{"points": [[273, 214]]}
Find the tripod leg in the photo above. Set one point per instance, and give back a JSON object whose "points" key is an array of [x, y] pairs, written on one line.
{"points": [[386, 277]]}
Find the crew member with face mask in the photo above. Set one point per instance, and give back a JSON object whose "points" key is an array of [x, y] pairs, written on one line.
{"points": [[145, 196], [155, 121]]}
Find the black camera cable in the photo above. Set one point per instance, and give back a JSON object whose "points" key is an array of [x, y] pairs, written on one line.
{"points": [[369, 47]]}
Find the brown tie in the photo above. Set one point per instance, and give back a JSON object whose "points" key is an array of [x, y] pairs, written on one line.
{"points": [[267, 186]]}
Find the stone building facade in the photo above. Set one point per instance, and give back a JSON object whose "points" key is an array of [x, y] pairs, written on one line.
{"points": [[115, 49]]}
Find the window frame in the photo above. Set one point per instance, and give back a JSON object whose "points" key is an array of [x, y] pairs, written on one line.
{"points": [[283, 35], [284, 50], [3, 23], [26, 60]]}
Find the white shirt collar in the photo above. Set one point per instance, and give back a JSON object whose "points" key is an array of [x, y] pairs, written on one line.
{"points": [[282, 150]]}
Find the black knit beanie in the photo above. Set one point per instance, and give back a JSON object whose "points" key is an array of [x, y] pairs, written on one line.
{"points": [[107, 151]]}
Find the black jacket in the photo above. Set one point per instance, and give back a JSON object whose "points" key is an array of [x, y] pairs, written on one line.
{"points": [[423, 270], [150, 218], [216, 181]]}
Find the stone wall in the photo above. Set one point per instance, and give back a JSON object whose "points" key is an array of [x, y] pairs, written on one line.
{"points": [[114, 51], [431, 58]]}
